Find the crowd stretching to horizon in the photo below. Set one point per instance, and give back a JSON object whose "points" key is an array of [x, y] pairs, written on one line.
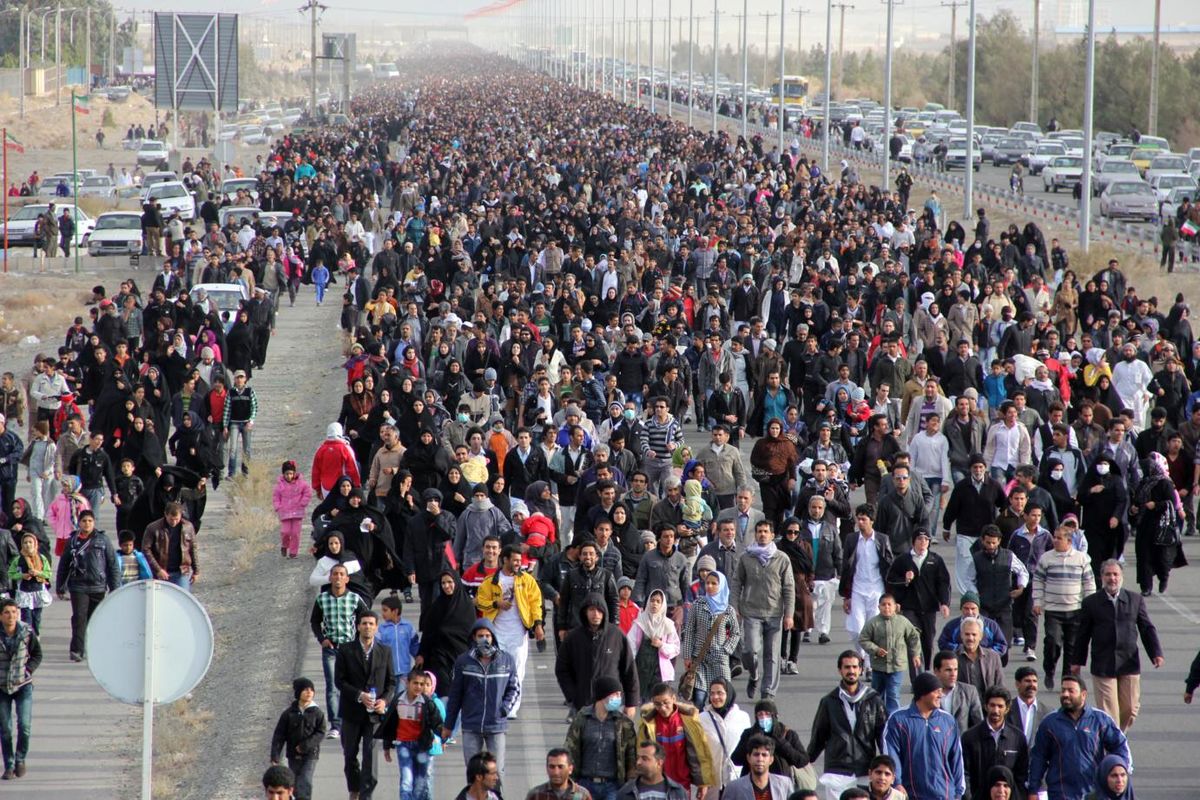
{"points": [[543, 292]]}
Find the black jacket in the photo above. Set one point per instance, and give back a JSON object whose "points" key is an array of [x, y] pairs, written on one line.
{"points": [[88, 565], [1113, 631], [518, 476], [929, 589], [431, 722], [355, 674], [883, 547], [300, 730], [973, 509], [577, 587], [587, 654], [980, 752], [848, 752], [425, 538], [789, 750]]}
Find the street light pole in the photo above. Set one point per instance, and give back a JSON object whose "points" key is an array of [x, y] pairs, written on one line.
{"points": [[1089, 97], [1033, 91], [1152, 127], [653, 92], [691, 58], [968, 180], [716, 25], [828, 85], [887, 98], [745, 68], [782, 69]]}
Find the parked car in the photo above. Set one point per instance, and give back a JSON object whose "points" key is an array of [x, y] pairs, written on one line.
{"points": [[226, 297], [1043, 154], [173, 197], [1010, 150], [1166, 164], [1114, 170], [20, 226], [236, 212], [231, 186], [1174, 199], [1129, 199], [116, 233], [1063, 172], [153, 154], [100, 186], [1164, 183], [956, 155]]}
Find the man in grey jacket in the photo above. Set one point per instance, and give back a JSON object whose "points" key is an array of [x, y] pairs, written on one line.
{"points": [[764, 593], [664, 568], [827, 563], [760, 754]]}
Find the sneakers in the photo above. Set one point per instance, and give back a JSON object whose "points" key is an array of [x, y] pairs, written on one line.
{"points": [[789, 668], [76, 657], [751, 688], [334, 733], [823, 639], [806, 637], [7, 776], [1018, 641], [408, 595], [1030, 655]]}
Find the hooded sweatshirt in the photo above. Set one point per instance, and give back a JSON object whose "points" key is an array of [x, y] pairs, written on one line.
{"points": [[483, 693], [333, 459], [589, 653]]}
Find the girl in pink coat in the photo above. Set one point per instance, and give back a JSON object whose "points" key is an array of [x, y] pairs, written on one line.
{"points": [[290, 500]]}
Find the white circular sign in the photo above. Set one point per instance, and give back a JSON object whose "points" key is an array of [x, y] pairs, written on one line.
{"points": [[175, 647]]}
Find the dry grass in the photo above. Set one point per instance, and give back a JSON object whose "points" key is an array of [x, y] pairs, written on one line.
{"points": [[252, 522], [176, 729], [39, 305]]}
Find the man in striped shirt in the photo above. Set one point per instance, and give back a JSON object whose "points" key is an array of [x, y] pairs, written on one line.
{"points": [[334, 617], [1062, 578], [662, 435]]}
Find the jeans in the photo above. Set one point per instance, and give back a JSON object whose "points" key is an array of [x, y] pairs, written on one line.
{"points": [[42, 492], [237, 429], [888, 686], [657, 471], [473, 743], [83, 605], [95, 497], [22, 701], [333, 700], [414, 772], [33, 618], [935, 507], [600, 791], [181, 580], [761, 642], [303, 768]]}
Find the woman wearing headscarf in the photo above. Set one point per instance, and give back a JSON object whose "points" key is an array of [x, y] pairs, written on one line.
{"points": [[21, 521], [790, 753], [628, 539], [333, 460], [331, 552], [334, 503], [773, 463], [724, 722], [357, 405], [426, 459], [655, 643], [1112, 780], [1103, 500], [239, 345], [143, 448], [1157, 512], [368, 533], [498, 494], [710, 612], [194, 446], [1053, 481], [446, 628], [159, 398], [1000, 784], [456, 491], [29, 576], [798, 549]]}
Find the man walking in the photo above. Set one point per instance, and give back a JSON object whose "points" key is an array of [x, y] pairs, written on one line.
{"points": [[920, 582], [993, 742], [20, 656], [366, 684], [974, 503], [764, 593], [512, 600], [87, 571], [170, 548], [760, 783], [602, 741], [868, 558], [241, 407], [484, 691], [1111, 621], [826, 543], [333, 623], [1070, 744], [849, 722], [1062, 578], [923, 740]]}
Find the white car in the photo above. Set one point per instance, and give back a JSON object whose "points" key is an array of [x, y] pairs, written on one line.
{"points": [[153, 154], [254, 134], [1062, 172], [1043, 154], [117, 233], [292, 115], [99, 186], [1114, 169], [20, 226], [1174, 199], [173, 198], [224, 298], [956, 155], [1164, 183], [231, 186], [1166, 164], [236, 212], [158, 177]]}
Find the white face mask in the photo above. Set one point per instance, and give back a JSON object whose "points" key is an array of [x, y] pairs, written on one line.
{"points": [[1056, 474], [1102, 469]]}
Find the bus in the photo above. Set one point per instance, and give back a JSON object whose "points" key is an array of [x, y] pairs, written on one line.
{"points": [[795, 88]]}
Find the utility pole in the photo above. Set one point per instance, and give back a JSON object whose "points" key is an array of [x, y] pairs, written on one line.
{"points": [[828, 86], [1152, 127], [969, 170], [312, 7], [841, 46], [691, 58], [954, 6], [58, 56], [766, 49], [716, 30], [1033, 92], [782, 83], [745, 67], [800, 12], [887, 99]]}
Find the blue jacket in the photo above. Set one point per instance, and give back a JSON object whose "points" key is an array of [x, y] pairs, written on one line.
{"points": [[1066, 752], [484, 694], [404, 641], [928, 754], [993, 636]]}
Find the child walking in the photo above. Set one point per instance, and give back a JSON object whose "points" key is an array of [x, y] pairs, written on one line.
{"points": [[400, 637], [320, 279], [42, 452], [300, 729], [410, 729], [290, 499], [64, 512]]}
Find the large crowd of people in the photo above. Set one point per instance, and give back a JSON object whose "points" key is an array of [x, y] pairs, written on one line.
{"points": [[563, 316]]}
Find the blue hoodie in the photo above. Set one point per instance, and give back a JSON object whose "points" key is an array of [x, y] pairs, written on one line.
{"points": [[483, 693], [1066, 752], [404, 643], [928, 753]]}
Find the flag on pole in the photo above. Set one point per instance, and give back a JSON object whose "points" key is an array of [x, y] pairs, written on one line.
{"points": [[81, 104], [11, 143]]}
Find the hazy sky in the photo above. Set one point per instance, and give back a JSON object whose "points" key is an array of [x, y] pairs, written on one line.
{"points": [[915, 19]]}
